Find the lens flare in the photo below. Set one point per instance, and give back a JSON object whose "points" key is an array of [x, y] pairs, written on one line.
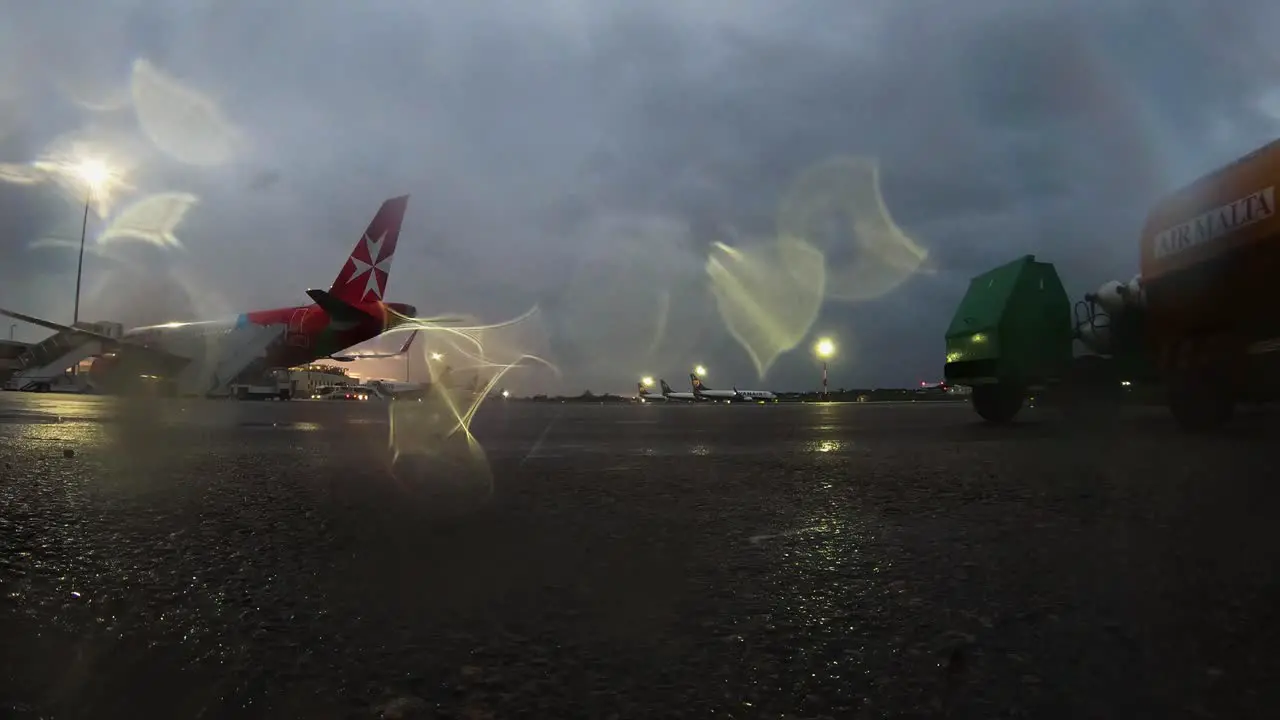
{"points": [[431, 443], [837, 205]]}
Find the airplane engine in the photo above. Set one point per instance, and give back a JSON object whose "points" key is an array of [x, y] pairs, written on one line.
{"points": [[117, 374]]}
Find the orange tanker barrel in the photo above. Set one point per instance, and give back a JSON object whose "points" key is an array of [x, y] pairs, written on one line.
{"points": [[1210, 256]]}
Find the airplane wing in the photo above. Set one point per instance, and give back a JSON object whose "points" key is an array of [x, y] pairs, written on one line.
{"points": [[106, 340], [408, 341], [429, 321], [377, 356], [53, 325], [197, 369]]}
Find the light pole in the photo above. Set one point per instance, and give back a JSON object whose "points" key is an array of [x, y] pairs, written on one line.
{"points": [[824, 349], [12, 328], [84, 226], [94, 174]]}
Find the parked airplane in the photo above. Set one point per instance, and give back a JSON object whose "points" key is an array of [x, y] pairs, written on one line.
{"points": [[682, 397], [735, 395], [352, 311], [446, 380], [645, 396]]}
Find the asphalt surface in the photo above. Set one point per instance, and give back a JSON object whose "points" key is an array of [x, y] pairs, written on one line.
{"points": [[186, 559]]}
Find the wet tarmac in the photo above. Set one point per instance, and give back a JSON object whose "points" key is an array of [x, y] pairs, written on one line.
{"points": [[223, 559]]}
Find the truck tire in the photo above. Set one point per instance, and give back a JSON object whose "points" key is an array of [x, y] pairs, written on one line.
{"points": [[998, 403], [1200, 401]]}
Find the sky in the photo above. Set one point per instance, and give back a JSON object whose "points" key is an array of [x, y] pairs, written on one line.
{"points": [[668, 183]]}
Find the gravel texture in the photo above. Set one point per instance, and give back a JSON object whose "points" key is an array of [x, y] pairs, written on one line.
{"points": [[190, 560]]}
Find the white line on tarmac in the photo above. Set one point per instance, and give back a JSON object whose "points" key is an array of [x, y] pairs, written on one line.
{"points": [[537, 445]]}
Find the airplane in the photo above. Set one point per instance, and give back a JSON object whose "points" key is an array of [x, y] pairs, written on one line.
{"points": [[941, 386], [643, 394], [446, 380], [667, 394], [352, 357], [350, 312], [734, 395]]}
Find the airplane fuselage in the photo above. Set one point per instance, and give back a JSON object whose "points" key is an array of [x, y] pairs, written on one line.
{"points": [[756, 395], [669, 395], [310, 333], [702, 392]]}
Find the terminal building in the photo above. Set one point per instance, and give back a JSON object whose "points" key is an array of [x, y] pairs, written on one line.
{"points": [[306, 380]]}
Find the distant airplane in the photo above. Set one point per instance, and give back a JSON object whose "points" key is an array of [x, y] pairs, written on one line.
{"points": [[645, 396], [735, 395], [681, 397], [350, 312], [445, 381], [941, 386]]}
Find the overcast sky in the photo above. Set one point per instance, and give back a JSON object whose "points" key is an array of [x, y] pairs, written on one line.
{"points": [[584, 155]]}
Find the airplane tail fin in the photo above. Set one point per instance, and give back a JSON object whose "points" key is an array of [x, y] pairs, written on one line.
{"points": [[640, 389], [697, 383], [666, 389], [364, 276]]}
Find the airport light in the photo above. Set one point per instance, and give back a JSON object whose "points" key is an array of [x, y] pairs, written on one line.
{"points": [[436, 356], [93, 172], [647, 381], [825, 348], [506, 393], [700, 370]]}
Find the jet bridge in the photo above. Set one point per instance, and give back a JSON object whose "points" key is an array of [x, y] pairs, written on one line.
{"points": [[48, 364]]}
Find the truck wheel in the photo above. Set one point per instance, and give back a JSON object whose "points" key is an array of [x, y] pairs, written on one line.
{"points": [[997, 403], [1200, 402]]}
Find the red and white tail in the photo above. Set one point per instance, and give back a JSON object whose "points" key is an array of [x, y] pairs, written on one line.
{"points": [[364, 277]]}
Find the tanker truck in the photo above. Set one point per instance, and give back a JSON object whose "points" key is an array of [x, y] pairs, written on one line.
{"points": [[1200, 323]]}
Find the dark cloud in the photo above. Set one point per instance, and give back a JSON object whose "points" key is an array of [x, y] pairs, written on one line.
{"points": [[1001, 128]]}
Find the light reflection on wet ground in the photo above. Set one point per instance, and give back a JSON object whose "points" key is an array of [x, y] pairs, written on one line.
{"points": [[254, 559]]}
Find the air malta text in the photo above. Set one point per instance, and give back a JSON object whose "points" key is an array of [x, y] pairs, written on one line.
{"points": [[1216, 223]]}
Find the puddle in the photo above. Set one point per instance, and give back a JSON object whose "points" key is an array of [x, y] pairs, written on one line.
{"points": [[262, 425], [757, 539]]}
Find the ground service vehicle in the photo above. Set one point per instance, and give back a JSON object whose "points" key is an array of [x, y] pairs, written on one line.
{"points": [[270, 385], [1201, 320]]}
